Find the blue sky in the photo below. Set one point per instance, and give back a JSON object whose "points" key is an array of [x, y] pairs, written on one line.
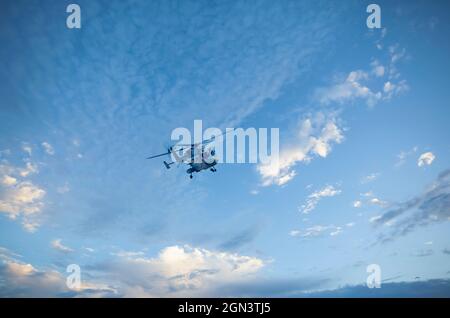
{"points": [[364, 148]]}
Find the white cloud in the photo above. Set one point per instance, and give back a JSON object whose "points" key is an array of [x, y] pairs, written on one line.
{"points": [[317, 231], [375, 218], [29, 169], [388, 87], [25, 200], [20, 198], [364, 85], [176, 271], [57, 245], [367, 194], [369, 198], [48, 148], [63, 189], [24, 280], [377, 201], [128, 253], [180, 271], [20, 269], [369, 178], [426, 158], [27, 148], [314, 198], [396, 53], [337, 231], [377, 69], [314, 138], [351, 88], [176, 260], [403, 155], [20, 279], [391, 89], [8, 180]]}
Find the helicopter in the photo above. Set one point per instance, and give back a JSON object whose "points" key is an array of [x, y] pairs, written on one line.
{"points": [[197, 155]]}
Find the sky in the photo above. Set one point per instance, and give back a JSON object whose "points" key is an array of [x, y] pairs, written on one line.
{"points": [[363, 176]]}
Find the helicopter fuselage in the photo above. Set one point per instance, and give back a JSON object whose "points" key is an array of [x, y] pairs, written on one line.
{"points": [[197, 167]]}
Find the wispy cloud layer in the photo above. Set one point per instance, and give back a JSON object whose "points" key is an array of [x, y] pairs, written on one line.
{"points": [[432, 206], [317, 231], [314, 198]]}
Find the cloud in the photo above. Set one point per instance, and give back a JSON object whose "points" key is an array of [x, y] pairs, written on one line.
{"points": [[291, 287], [27, 148], [317, 231], [315, 137], [29, 169], [350, 89], [369, 178], [431, 206], [434, 288], [403, 155], [425, 159], [369, 198], [376, 201], [377, 69], [179, 271], [21, 199], [361, 84], [48, 148], [19, 279], [423, 253], [240, 239], [23, 280], [314, 198], [357, 204], [57, 245], [8, 180]]}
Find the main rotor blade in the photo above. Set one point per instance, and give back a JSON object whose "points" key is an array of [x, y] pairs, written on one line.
{"points": [[203, 142], [160, 155]]}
